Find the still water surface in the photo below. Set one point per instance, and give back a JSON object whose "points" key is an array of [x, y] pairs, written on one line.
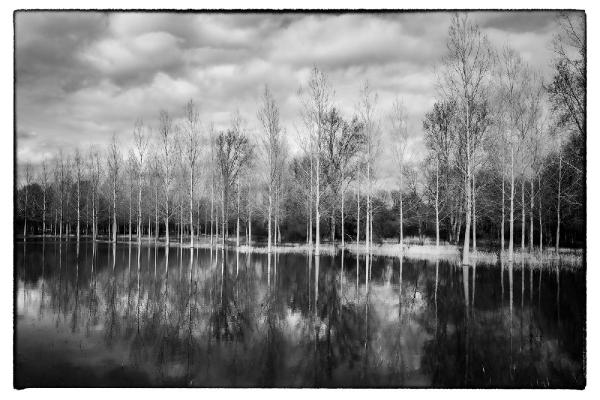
{"points": [[104, 315]]}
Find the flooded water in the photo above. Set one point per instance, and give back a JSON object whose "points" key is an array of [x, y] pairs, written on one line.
{"points": [[104, 315]]}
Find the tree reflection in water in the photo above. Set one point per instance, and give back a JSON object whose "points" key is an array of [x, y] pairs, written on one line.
{"points": [[219, 318]]}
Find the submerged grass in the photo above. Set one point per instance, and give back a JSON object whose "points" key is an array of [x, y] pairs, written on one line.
{"points": [[413, 248], [572, 258]]}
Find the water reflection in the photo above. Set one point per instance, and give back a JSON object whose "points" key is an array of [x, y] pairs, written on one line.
{"points": [[122, 315]]}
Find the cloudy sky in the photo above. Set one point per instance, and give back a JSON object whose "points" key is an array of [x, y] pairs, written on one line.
{"points": [[80, 77]]}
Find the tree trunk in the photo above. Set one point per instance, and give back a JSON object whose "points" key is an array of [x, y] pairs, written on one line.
{"points": [[198, 228], [114, 227], [25, 214], [307, 230], [130, 198], [310, 205], [192, 206], [342, 217], [557, 245], [205, 221], [167, 218], [237, 229], [401, 217], [212, 210], [109, 226], [60, 220], [523, 222], [502, 223], [95, 212], [270, 216], [452, 230], [332, 228], [276, 236], [474, 216], [437, 209], [156, 214], [224, 215], [465, 260], [357, 226], [367, 225], [180, 222], [531, 198], [249, 226], [93, 216], [44, 214], [512, 207], [540, 210], [371, 239], [317, 201], [78, 207], [139, 227], [217, 226]]}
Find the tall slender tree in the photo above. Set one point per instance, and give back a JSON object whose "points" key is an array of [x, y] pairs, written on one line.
{"points": [[192, 152], [316, 103], [26, 184], [268, 115], [464, 78], [233, 150], [114, 164], [399, 135], [140, 140], [165, 131]]}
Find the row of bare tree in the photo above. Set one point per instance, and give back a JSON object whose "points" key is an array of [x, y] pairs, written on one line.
{"points": [[495, 131]]}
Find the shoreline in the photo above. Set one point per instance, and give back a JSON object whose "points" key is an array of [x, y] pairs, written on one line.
{"points": [[431, 252]]}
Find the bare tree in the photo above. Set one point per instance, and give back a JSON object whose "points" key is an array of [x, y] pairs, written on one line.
{"points": [[399, 136], [342, 142], [132, 169], [78, 173], [440, 137], [465, 79], [44, 180], [367, 114], [165, 131], [95, 173], [140, 141], [268, 114], [60, 178], [233, 151], [155, 169], [540, 147], [114, 162], [212, 167], [568, 88], [510, 80], [351, 145], [533, 141], [558, 198], [26, 184], [316, 103], [192, 151]]}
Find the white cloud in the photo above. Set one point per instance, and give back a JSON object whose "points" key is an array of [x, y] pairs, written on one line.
{"points": [[83, 76]]}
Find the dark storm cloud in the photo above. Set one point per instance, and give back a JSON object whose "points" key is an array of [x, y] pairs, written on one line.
{"points": [[48, 44], [83, 76]]}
